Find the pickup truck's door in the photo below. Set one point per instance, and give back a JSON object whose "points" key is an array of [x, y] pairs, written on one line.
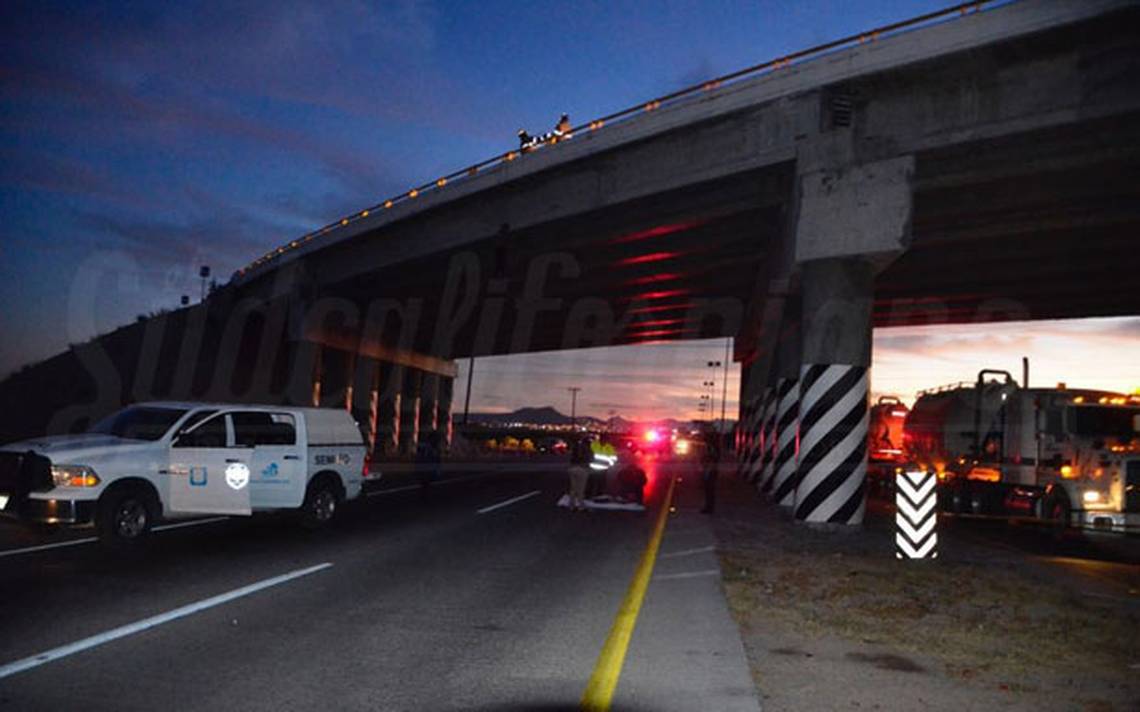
{"points": [[277, 470], [207, 474]]}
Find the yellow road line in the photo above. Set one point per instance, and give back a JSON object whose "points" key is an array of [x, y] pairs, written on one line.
{"points": [[599, 692]]}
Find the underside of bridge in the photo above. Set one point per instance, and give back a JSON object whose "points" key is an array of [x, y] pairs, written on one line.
{"points": [[1040, 225]]}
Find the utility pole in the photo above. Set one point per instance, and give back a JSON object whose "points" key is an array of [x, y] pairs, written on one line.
{"points": [[573, 405]]}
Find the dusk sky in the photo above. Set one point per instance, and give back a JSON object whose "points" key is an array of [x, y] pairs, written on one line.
{"points": [[141, 140]]}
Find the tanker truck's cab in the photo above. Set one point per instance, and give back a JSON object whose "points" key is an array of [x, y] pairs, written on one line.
{"points": [[1088, 458], [1067, 455]]}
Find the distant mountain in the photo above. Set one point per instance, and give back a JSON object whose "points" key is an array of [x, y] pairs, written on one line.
{"points": [[545, 415], [549, 415], [619, 424]]}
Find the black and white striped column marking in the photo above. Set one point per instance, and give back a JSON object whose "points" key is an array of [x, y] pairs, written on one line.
{"points": [[744, 435], [916, 512], [833, 443], [756, 427], [768, 457], [787, 421]]}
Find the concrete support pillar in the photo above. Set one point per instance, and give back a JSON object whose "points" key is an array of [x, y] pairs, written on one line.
{"points": [[366, 399], [834, 385], [336, 382], [429, 400], [388, 406], [409, 435], [767, 437], [743, 413], [784, 452], [304, 368], [443, 410], [751, 417]]}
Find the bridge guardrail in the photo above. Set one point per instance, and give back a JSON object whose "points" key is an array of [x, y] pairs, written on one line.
{"points": [[673, 98]]}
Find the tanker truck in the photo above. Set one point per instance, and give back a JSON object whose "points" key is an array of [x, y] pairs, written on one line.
{"points": [[1071, 456], [885, 453]]}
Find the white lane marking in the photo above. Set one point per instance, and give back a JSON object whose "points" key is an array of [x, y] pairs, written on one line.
{"points": [[196, 522], [92, 540], [139, 626], [42, 547], [688, 574], [508, 502], [394, 490], [687, 552], [440, 483]]}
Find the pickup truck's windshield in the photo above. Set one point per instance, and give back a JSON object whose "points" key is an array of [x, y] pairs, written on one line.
{"points": [[139, 422]]}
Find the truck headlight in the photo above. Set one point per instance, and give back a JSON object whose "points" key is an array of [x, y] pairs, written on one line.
{"points": [[1094, 496], [74, 476]]}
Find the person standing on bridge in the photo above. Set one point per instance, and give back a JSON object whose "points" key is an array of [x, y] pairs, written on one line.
{"points": [[562, 128], [581, 455]]}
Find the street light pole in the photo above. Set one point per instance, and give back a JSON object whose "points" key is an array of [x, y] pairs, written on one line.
{"points": [[713, 365], [724, 384], [470, 377], [573, 405]]}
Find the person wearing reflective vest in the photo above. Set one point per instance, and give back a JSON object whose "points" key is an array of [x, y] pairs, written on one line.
{"points": [[605, 456]]}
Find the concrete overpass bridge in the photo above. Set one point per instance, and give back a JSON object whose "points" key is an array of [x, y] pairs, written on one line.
{"points": [[979, 164]]}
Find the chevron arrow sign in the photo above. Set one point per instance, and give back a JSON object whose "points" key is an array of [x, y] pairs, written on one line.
{"points": [[916, 515]]}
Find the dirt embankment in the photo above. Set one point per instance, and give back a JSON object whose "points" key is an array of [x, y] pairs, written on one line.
{"points": [[834, 621]]}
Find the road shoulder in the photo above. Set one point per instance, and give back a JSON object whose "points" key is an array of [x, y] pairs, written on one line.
{"points": [[832, 621], [686, 652]]}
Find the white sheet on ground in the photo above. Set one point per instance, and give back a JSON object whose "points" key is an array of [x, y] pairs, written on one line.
{"points": [[604, 502]]}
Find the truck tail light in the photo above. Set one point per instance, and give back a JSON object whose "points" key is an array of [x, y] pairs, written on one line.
{"points": [[366, 468]]}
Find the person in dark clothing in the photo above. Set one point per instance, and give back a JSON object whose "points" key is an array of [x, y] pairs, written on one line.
{"points": [[710, 465], [580, 457], [429, 456], [631, 483]]}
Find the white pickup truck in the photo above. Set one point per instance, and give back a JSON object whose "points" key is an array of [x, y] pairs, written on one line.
{"points": [[171, 460]]}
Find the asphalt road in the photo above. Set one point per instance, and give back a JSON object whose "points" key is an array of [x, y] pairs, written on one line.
{"points": [[485, 596]]}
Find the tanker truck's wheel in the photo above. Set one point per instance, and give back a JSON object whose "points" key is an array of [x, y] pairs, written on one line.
{"points": [[1058, 511], [959, 499], [978, 500]]}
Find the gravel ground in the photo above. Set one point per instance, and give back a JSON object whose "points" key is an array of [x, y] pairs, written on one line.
{"points": [[831, 620]]}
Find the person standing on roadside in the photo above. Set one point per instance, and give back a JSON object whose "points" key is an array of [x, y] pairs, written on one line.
{"points": [[580, 457], [710, 465], [429, 456]]}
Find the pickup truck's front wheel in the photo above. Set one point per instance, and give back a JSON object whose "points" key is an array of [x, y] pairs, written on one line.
{"points": [[321, 502], [125, 516]]}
